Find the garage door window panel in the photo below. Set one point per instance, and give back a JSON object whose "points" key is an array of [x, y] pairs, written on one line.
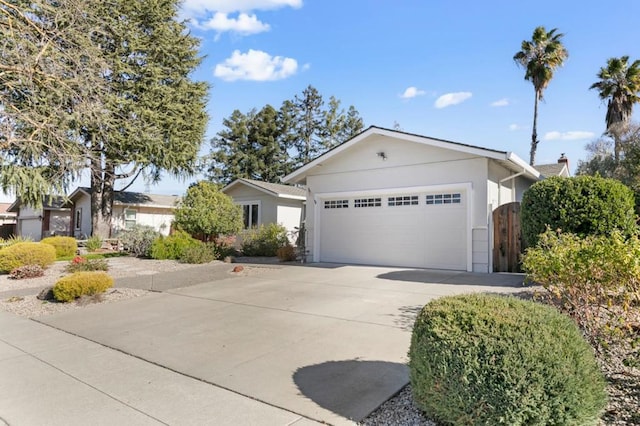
{"points": [[336, 204], [367, 202], [439, 199], [406, 200]]}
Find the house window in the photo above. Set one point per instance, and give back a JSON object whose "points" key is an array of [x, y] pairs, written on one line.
{"points": [[407, 200], [250, 215], [78, 219], [455, 198], [130, 217], [367, 202], [336, 204]]}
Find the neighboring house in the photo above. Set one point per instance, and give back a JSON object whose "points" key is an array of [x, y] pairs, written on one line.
{"points": [[387, 197], [53, 219], [129, 208], [561, 168], [7, 221], [264, 203]]}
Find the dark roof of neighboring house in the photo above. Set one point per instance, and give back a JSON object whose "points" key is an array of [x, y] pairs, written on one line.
{"points": [[136, 198], [554, 169], [53, 202], [276, 189]]}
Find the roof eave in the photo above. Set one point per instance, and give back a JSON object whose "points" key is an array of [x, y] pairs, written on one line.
{"points": [[299, 176]]}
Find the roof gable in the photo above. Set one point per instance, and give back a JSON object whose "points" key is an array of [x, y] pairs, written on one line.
{"points": [[129, 198], [274, 189], [53, 202], [508, 159], [553, 169]]}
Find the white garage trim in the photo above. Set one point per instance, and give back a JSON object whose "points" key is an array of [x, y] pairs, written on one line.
{"points": [[464, 186]]}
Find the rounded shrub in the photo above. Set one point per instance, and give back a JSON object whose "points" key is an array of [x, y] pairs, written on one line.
{"points": [[582, 205], [138, 239], [21, 254], [489, 360], [65, 246], [173, 246], [79, 284], [264, 240]]}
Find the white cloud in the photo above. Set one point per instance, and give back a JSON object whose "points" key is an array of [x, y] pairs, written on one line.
{"points": [[244, 24], [228, 6], [255, 65], [449, 99], [500, 102], [412, 92], [514, 127], [212, 14], [568, 136]]}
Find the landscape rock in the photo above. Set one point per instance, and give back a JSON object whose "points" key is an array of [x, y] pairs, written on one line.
{"points": [[238, 269], [46, 294]]}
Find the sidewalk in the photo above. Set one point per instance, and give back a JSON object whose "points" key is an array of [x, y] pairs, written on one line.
{"points": [[55, 378]]}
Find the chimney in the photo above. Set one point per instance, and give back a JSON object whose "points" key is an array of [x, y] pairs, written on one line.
{"points": [[563, 160]]}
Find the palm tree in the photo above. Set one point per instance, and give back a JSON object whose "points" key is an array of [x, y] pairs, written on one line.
{"points": [[619, 85], [540, 57]]}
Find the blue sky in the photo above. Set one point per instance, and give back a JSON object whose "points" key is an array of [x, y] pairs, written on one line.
{"points": [[438, 68]]}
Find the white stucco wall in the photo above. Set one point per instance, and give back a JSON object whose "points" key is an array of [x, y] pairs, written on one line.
{"points": [[84, 204], [158, 218], [283, 211], [407, 164]]}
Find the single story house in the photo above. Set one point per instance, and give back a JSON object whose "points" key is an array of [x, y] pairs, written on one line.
{"points": [[54, 218], [265, 203], [7, 221], [129, 208], [387, 197]]}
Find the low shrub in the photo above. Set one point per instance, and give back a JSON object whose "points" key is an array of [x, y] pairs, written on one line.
{"points": [[173, 246], [491, 360], [264, 240], [79, 284], [27, 271], [225, 246], [21, 254], [201, 253], [138, 240], [94, 243], [65, 246], [80, 263], [286, 253], [596, 280]]}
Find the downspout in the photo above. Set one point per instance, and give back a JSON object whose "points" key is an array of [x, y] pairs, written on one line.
{"points": [[504, 180]]}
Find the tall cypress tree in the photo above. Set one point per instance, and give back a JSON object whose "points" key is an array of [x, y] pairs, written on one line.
{"points": [[156, 113]]}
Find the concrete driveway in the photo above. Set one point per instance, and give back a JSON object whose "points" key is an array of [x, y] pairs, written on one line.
{"points": [[328, 342]]}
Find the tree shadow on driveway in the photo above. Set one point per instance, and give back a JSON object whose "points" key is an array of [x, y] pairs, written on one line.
{"points": [[428, 276], [351, 388]]}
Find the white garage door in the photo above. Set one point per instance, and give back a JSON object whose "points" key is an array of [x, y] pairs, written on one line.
{"points": [[425, 230]]}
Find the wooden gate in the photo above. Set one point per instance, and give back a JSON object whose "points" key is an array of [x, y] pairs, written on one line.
{"points": [[507, 238]]}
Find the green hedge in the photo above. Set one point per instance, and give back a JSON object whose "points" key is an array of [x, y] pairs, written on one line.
{"points": [[582, 205], [173, 246], [22, 254], [491, 360]]}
